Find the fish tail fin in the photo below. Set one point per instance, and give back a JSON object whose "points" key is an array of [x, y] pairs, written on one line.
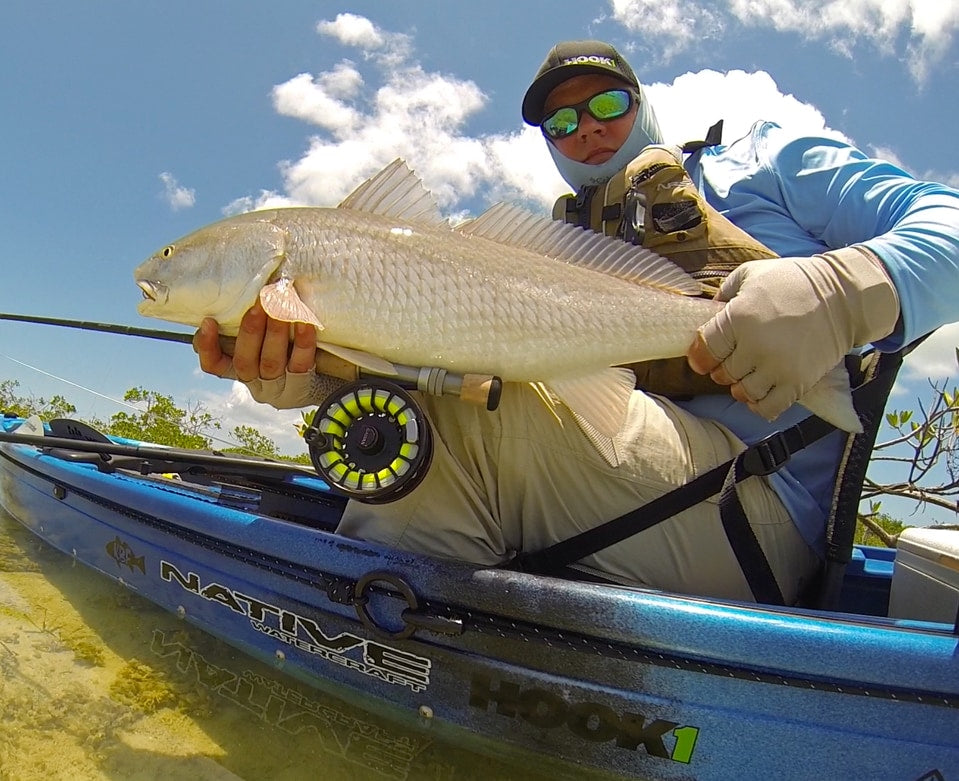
{"points": [[831, 400]]}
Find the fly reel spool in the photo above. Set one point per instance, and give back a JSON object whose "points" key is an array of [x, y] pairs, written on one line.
{"points": [[371, 441]]}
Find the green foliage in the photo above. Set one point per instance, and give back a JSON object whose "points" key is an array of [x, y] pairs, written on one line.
{"points": [[253, 442], [300, 458], [10, 401], [162, 423], [923, 449], [877, 528], [307, 421], [24, 406]]}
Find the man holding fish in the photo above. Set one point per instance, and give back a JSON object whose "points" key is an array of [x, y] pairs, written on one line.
{"points": [[866, 255]]}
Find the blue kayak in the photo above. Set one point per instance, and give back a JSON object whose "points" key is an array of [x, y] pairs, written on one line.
{"points": [[627, 681]]}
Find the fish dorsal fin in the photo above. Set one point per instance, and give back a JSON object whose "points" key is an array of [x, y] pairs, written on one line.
{"points": [[515, 226], [395, 192]]}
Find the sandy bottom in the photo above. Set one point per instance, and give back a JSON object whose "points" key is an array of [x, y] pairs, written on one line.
{"points": [[97, 683]]}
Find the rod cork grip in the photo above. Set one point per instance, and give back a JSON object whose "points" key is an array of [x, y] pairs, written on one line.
{"points": [[482, 389], [326, 363]]}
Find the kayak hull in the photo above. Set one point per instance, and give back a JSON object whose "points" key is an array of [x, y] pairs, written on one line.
{"points": [[630, 682]]}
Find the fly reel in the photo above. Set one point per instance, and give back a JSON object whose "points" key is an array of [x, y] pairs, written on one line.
{"points": [[371, 441]]}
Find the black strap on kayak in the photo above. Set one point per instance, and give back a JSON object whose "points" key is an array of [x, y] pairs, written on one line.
{"points": [[841, 525], [760, 459]]}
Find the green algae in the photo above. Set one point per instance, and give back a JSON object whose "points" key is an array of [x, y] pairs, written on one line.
{"points": [[141, 686]]}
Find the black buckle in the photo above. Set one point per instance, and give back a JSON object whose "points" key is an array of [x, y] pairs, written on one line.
{"points": [[767, 455]]}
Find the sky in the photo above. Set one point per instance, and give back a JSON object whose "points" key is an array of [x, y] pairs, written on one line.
{"points": [[127, 125]]}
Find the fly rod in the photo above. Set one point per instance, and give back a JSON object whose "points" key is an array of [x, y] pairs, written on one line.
{"points": [[111, 328], [475, 388]]}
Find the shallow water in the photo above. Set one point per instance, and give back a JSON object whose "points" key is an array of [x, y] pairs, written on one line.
{"points": [[98, 683]]}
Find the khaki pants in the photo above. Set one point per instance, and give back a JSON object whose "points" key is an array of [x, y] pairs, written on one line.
{"points": [[517, 479]]}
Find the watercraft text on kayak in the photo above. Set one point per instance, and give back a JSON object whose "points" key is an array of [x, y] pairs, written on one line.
{"points": [[368, 657]]}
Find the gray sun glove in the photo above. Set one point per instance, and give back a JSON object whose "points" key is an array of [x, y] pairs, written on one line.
{"points": [[294, 390], [790, 320]]}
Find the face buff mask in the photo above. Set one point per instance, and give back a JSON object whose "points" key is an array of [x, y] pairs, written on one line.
{"points": [[645, 132]]}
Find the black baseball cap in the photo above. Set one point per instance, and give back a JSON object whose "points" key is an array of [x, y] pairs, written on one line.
{"points": [[568, 59]]}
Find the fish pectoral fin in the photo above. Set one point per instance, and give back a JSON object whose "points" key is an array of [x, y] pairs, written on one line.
{"points": [[599, 403], [831, 400], [372, 363], [281, 302]]}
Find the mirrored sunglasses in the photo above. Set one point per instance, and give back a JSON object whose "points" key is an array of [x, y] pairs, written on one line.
{"points": [[603, 107]]}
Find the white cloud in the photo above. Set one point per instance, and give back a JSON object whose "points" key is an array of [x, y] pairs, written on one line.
{"points": [[688, 106], [374, 43], [317, 99], [395, 108], [673, 25], [935, 358], [353, 30], [174, 194], [918, 31], [267, 199], [238, 407], [951, 178], [406, 112]]}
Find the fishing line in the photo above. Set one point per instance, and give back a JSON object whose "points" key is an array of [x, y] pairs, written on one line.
{"points": [[74, 384], [181, 337], [154, 415]]}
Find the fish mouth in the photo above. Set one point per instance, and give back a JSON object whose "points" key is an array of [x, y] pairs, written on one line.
{"points": [[153, 291]]}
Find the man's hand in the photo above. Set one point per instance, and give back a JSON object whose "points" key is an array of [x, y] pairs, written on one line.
{"points": [[276, 371], [789, 321]]}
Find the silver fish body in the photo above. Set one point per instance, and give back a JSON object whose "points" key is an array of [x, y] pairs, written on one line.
{"points": [[386, 280], [426, 296]]}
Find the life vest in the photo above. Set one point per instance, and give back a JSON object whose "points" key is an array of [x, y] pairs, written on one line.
{"points": [[653, 202]]}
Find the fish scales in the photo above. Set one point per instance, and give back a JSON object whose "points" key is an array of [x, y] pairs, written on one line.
{"points": [[386, 281], [425, 297]]}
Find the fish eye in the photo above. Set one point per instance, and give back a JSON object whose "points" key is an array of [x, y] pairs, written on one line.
{"points": [[167, 251]]}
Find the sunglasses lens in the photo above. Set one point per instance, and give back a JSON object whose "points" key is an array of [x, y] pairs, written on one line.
{"points": [[609, 105], [561, 123], [603, 107]]}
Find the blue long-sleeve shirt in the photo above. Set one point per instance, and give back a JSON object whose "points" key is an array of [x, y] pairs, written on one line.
{"points": [[801, 195]]}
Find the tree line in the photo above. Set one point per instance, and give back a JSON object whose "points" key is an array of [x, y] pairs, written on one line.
{"points": [[156, 419], [922, 444]]}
